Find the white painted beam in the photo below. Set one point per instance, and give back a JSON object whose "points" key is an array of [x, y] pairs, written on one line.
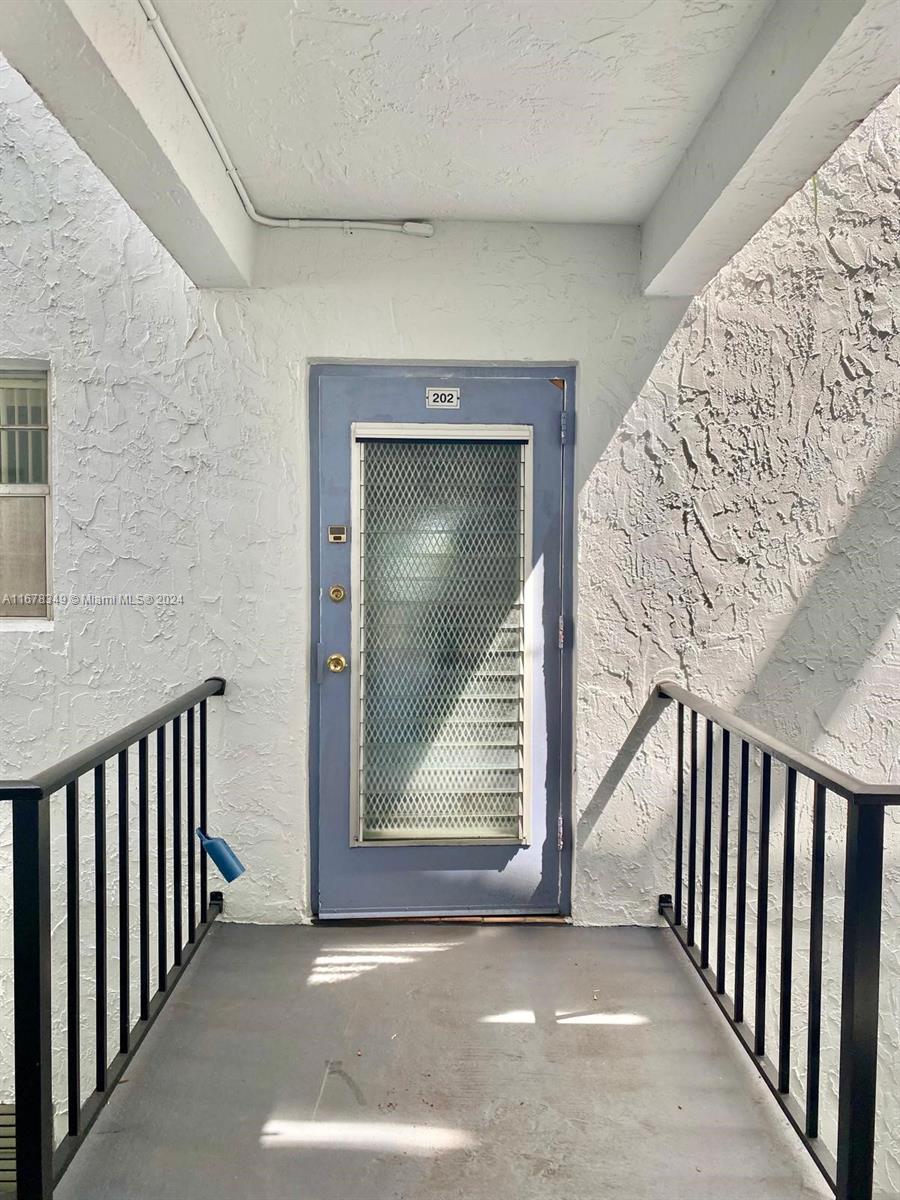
{"points": [[814, 71], [101, 70]]}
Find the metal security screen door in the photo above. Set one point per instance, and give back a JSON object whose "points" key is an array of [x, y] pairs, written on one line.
{"points": [[439, 715]]}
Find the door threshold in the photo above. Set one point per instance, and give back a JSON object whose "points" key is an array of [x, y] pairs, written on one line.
{"points": [[515, 919]]}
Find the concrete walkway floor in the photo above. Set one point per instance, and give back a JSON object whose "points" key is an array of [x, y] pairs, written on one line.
{"points": [[473, 1062]]}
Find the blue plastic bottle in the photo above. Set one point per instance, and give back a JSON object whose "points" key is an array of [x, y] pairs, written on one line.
{"points": [[222, 855]]}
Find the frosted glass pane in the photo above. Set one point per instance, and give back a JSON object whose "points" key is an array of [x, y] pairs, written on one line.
{"points": [[23, 555], [441, 639]]}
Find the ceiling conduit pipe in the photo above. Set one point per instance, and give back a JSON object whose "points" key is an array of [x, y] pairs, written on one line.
{"points": [[414, 228]]}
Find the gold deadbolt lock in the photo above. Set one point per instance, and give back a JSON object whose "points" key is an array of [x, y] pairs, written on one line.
{"points": [[336, 663], [337, 592]]}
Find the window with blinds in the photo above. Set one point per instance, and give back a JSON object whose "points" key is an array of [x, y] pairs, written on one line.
{"points": [[441, 639], [24, 493]]}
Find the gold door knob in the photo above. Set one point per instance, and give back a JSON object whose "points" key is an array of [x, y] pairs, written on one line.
{"points": [[336, 663], [337, 592]]}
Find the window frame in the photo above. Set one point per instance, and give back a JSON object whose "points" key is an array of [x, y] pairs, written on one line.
{"points": [[10, 366]]}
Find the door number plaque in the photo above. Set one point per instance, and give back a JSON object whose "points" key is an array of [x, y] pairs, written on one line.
{"points": [[441, 397]]}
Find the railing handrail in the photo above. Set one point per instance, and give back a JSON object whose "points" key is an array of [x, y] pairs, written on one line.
{"points": [[850, 1171], [181, 774], [51, 780], [807, 764]]}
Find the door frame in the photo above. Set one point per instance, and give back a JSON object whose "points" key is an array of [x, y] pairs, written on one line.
{"points": [[448, 373]]}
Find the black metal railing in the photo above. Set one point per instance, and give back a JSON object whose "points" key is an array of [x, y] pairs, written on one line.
{"points": [[40, 1163], [861, 806]]}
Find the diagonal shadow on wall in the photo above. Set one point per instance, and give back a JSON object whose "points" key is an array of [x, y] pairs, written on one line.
{"points": [[814, 663], [836, 629], [637, 735]]}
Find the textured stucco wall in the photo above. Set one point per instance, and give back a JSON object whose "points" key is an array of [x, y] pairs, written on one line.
{"points": [[740, 534], [737, 525], [739, 531]]}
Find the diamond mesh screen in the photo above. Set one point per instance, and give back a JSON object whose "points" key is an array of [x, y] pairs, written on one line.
{"points": [[442, 639]]}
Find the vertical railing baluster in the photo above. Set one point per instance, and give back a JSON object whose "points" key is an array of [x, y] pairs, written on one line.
{"points": [[144, 876], [31, 993], [191, 835], [762, 906], [816, 924], [73, 960], [204, 894], [785, 992], [679, 813], [162, 952], [722, 903], [861, 963], [692, 834], [124, 910], [176, 841], [100, 998], [740, 913], [707, 846]]}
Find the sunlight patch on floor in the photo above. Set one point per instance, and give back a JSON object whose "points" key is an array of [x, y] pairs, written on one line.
{"points": [[601, 1019], [518, 1016], [424, 1141], [337, 964], [526, 1016]]}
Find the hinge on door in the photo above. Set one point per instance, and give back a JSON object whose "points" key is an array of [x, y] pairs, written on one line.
{"points": [[561, 634], [559, 832], [562, 425]]}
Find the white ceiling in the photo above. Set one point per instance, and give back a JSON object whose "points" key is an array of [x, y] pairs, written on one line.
{"points": [[691, 119], [543, 110]]}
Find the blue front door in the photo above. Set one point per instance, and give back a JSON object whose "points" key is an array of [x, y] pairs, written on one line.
{"points": [[440, 712]]}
